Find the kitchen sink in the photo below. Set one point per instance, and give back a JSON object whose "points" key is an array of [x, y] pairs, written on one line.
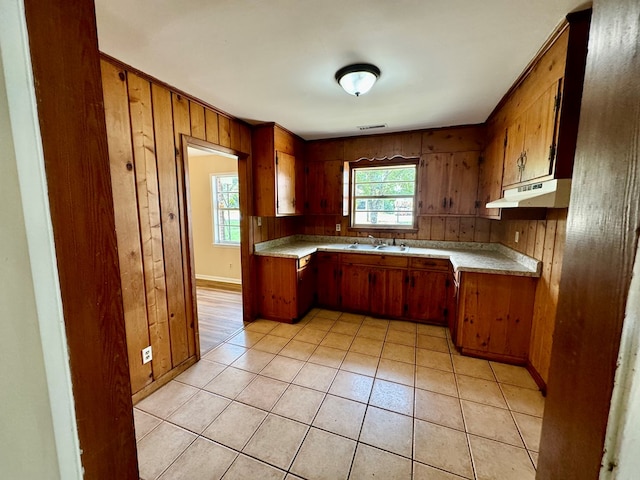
{"points": [[393, 248], [361, 246], [383, 248]]}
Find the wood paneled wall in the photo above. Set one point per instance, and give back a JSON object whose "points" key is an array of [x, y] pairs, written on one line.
{"points": [[601, 249], [408, 144], [145, 124], [273, 228], [66, 73], [543, 240]]}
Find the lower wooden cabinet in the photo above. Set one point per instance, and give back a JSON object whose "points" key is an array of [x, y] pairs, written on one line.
{"points": [[494, 316], [396, 287], [428, 284], [489, 315], [328, 278], [286, 287]]}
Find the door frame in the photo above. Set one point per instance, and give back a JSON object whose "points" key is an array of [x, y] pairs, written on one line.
{"points": [[188, 257]]}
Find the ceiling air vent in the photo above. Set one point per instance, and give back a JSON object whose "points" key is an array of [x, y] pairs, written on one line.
{"points": [[371, 127]]}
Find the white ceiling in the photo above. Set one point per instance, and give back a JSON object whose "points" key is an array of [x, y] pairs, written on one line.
{"points": [[443, 62]]}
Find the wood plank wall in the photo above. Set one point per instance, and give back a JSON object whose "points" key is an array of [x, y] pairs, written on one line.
{"points": [[145, 122], [543, 240], [601, 250], [409, 144], [66, 73]]}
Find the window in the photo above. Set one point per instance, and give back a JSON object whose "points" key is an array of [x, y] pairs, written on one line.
{"points": [[383, 196], [226, 209]]}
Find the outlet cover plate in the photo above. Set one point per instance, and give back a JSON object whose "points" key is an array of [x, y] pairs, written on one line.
{"points": [[147, 356]]}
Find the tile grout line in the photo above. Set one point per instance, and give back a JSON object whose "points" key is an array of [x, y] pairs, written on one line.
{"points": [[325, 393]]}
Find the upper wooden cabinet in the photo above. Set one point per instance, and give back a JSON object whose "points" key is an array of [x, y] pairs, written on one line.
{"points": [[490, 175], [449, 183], [533, 131], [530, 139], [277, 172], [324, 181]]}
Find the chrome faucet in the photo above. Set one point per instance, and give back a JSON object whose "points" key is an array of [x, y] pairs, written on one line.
{"points": [[375, 241]]}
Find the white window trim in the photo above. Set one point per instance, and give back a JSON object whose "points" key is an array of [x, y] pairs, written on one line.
{"points": [[214, 210]]}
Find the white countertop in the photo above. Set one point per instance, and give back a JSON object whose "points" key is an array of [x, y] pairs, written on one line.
{"points": [[491, 258]]}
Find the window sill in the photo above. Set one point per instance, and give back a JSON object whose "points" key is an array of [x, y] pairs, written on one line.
{"points": [[226, 245]]}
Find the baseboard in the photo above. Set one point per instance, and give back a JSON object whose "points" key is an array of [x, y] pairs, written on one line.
{"points": [[542, 385], [163, 380], [221, 283]]}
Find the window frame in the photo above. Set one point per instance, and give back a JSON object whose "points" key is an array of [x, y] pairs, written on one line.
{"points": [[215, 210], [381, 163]]}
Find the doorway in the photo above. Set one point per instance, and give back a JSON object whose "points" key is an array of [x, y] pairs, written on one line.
{"points": [[213, 191]]}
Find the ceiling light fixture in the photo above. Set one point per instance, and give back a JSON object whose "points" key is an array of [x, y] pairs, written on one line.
{"points": [[357, 79]]}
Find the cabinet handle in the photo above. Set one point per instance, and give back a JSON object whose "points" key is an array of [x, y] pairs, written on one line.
{"points": [[444, 202], [522, 159], [450, 202]]}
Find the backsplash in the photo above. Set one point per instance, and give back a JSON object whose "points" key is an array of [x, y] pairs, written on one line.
{"points": [[451, 229]]}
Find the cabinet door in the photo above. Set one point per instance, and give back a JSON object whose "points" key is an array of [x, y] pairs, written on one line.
{"points": [[426, 297], [286, 184], [354, 287], [387, 292], [434, 184], [490, 176], [277, 287], [462, 183], [315, 182], [333, 187], [324, 187], [328, 280], [306, 288], [539, 135], [514, 151], [449, 184], [494, 315]]}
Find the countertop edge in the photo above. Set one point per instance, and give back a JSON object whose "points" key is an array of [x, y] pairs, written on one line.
{"points": [[458, 265]]}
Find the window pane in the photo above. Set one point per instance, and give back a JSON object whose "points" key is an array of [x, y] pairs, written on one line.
{"points": [[384, 196], [226, 209]]}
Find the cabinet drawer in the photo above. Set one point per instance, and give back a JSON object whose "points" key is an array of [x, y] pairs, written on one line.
{"points": [[439, 264], [304, 261], [327, 257], [377, 260]]}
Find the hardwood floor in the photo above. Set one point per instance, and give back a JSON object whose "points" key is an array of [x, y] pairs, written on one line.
{"points": [[219, 316]]}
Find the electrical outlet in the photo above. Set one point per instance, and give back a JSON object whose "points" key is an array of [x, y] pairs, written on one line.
{"points": [[517, 236], [338, 227], [146, 355], [259, 221]]}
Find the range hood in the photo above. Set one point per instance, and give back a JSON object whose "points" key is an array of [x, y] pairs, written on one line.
{"points": [[549, 194]]}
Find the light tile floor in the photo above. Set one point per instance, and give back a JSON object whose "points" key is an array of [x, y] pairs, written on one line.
{"points": [[340, 396]]}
